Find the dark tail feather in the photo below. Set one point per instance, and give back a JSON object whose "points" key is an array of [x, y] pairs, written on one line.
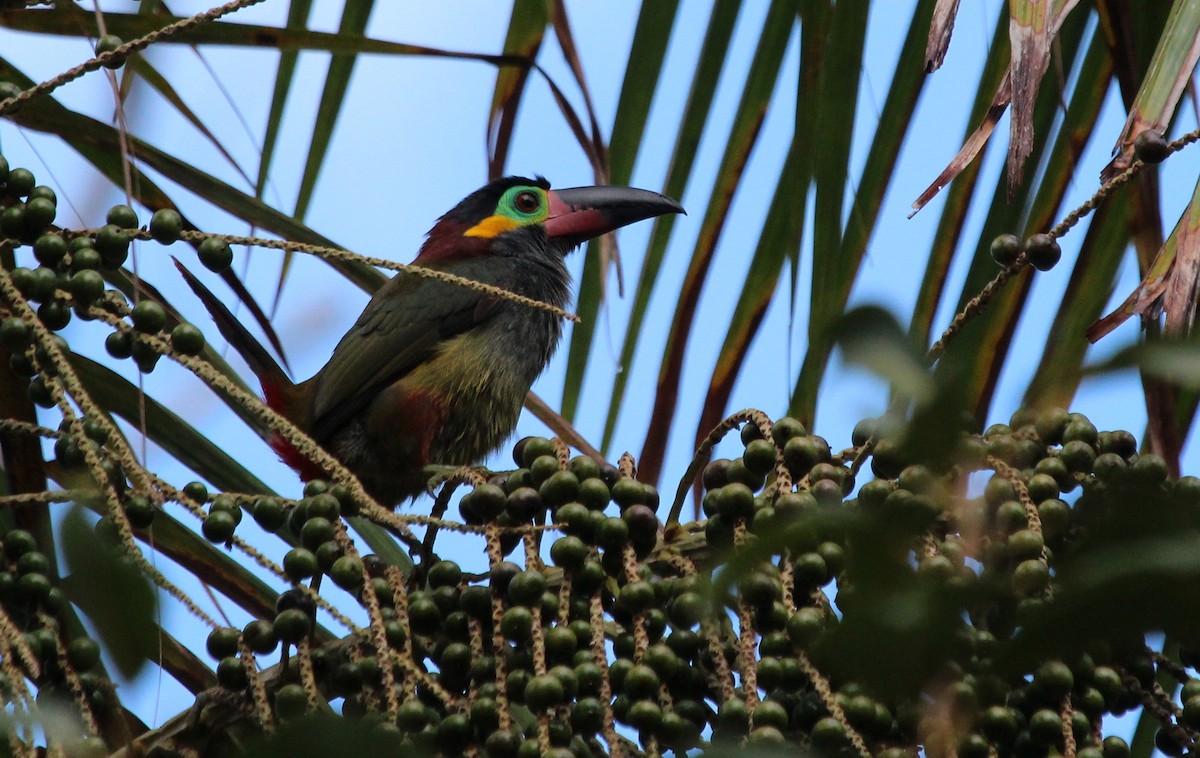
{"points": [[274, 381]]}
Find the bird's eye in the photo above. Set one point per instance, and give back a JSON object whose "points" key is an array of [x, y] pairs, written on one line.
{"points": [[527, 202]]}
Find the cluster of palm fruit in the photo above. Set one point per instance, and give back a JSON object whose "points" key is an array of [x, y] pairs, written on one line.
{"points": [[746, 625], [74, 270]]}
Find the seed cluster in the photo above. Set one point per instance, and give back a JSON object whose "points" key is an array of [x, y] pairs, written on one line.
{"points": [[797, 611], [715, 631]]}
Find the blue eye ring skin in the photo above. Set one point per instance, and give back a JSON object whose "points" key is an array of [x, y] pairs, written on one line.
{"points": [[524, 204]]}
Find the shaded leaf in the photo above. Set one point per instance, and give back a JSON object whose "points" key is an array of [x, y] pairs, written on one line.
{"points": [[1169, 74], [1169, 284], [756, 96], [871, 337], [125, 629], [711, 61], [526, 29]]}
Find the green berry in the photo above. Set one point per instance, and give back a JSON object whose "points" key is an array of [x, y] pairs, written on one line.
{"points": [[149, 316], [20, 182], [107, 44], [215, 254], [187, 339], [165, 225], [87, 286], [112, 242], [49, 249], [122, 216], [39, 214]]}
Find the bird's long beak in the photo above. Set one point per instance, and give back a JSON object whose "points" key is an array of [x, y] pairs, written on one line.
{"points": [[581, 213]]}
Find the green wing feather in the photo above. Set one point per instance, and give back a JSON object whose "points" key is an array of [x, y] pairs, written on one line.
{"points": [[402, 326]]}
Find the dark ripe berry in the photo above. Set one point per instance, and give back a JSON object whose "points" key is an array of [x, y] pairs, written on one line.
{"points": [[196, 491], [107, 44], [1168, 743], [165, 225], [222, 642], [54, 315], [1043, 251], [486, 501], [716, 474], [215, 254], [642, 521], [501, 574], [21, 182], [750, 432], [16, 334], [1150, 147], [83, 653], [39, 393], [1006, 248], [149, 316], [122, 216], [119, 345], [140, 512]]}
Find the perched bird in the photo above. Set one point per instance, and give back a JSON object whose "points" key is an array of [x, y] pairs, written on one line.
{"points": [[434, 372]]}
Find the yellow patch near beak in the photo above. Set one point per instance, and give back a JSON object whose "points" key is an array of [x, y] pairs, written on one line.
{"points": [[491, 226]]}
